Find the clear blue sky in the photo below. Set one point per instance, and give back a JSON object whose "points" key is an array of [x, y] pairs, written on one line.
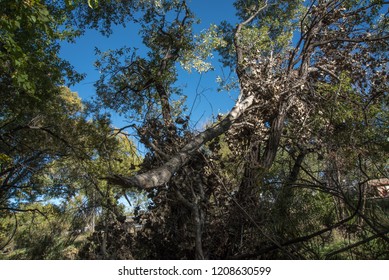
{"points": [[207, 104]]}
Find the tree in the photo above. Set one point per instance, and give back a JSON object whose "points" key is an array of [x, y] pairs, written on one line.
{"points": [[304, 71], [304, 137], [46, 132]]}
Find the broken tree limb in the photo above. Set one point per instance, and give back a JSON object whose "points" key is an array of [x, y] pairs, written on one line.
{"points": [[162, 175]]}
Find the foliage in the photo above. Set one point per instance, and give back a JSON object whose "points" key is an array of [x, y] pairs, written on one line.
{"points": [[286, 174], [204, 45], [29, 61], [53, 148]]}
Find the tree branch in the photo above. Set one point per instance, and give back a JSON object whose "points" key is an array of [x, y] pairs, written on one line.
{"points": [[350, 40], [160, 176], [238, 47], [351, 246], [296, 240]]}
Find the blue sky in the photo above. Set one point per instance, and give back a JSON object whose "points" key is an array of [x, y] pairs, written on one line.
{"points": [[201, 90]]}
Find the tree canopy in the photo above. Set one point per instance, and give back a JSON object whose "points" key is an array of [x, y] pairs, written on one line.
{"points": [[289, 173]]}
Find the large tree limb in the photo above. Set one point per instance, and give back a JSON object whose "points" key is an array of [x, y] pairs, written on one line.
{"points": [[161, 175]]}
